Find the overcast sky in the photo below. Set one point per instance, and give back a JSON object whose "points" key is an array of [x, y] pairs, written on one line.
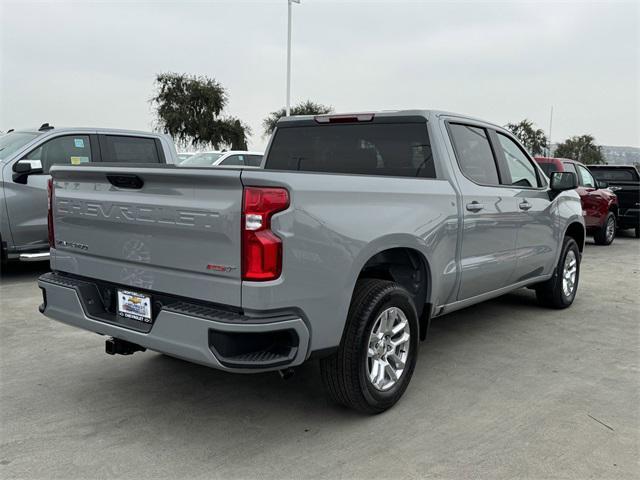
{"points": [[93, 63]]}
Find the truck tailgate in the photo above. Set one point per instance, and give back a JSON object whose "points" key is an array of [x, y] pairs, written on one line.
{"points": [[165, 229]]}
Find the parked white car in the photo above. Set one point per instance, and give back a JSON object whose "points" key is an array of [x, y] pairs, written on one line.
{"points": [[182, 156], [232, 158]]}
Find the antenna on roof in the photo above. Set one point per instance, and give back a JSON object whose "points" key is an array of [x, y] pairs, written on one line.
{"points": [[44, 127]]}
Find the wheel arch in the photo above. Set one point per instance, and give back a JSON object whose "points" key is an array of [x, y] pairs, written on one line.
{"points": [[613, 207], [409, 268], [576, 231]]}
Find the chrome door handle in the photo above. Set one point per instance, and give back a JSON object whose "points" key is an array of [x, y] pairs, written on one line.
{"points": [[475, 206], [525, 206]]}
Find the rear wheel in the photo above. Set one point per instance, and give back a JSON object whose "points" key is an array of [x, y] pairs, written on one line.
{"points": [[560, 290], [606, 234], [376, 357], [637, 232]]}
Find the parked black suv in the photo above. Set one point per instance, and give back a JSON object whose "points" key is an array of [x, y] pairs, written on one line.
{"points": [[624, 181]]}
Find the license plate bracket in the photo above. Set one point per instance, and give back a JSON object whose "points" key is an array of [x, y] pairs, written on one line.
{"points": [[134, 305]]}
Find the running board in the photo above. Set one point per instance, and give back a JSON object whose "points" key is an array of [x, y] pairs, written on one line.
{"points": [[34, 257]]}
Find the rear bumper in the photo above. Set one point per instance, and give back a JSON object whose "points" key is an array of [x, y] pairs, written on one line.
{"points": [[221, 339]]}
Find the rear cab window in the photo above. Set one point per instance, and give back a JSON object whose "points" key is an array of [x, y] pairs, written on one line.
{"points": [[615, 174], [130, 149], [397, 148]]}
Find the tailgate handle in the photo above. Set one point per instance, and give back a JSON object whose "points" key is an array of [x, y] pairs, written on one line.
{"points": [[126, 181]]}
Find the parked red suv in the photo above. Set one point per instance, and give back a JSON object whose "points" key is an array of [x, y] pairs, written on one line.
{"points": [[599, 205]]}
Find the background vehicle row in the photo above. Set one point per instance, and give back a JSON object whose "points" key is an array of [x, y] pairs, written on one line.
{"points": [[599, 204], [25, 159], [231, 158], [624, 180]]}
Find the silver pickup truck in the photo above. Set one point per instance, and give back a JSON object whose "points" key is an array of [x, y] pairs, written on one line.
{"points": [[358, 230], [25, 159]]}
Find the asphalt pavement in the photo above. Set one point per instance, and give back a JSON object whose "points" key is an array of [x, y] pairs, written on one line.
{"points": [[504, 389]]}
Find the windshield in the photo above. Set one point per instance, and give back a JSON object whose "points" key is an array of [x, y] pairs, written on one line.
{"points": [[202, 159], [14, 141], [183, 156]]}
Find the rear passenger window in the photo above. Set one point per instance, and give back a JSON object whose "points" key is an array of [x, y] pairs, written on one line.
{"points": [[126, 149], [521, 169], [391, 149], [474, 153]]}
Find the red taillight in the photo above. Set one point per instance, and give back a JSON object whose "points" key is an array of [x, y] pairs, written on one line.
{"points": [[50, 200], [261, 248]]}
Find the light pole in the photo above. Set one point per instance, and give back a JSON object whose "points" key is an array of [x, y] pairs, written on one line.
{"points": [[550, 126], [288, 107]]}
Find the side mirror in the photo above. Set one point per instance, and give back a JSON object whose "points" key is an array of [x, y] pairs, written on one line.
{"points": [[23, 168], [561, 181], [601, 184]]}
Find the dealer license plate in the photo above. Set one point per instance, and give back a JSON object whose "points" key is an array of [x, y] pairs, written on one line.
{"points": [[136, 306]]}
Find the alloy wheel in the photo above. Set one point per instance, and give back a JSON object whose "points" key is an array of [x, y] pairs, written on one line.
{"points": [[569, 274], [388, 348]]}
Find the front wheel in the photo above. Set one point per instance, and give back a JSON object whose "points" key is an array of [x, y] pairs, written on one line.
{"points": [[560, 290], [606, 234], [376, 357]]}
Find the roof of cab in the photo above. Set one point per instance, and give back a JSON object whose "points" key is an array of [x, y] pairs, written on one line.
{"points": [[390, 113], [86, 130]]}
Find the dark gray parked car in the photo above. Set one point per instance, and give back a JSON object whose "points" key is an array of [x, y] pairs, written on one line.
{"points": [[358, 231], [25, 159]]}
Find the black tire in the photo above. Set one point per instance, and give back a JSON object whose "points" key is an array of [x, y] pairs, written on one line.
{"points": [[637, 232], [606, 234], [344, 374], [551, 293]]}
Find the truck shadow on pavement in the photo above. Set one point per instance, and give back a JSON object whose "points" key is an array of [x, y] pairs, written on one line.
{"points": [[19, 271], [208, 396]]}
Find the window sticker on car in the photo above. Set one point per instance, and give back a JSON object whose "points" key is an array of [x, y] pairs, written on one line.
{"points": [[79, 160], [79, 142]]}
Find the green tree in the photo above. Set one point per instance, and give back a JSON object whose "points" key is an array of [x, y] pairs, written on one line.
{"points": [[582, 148], [303, 108], [534, 139], [190, 109]]}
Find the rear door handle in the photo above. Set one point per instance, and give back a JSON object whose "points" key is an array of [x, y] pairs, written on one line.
{"points": [[525, 206], [475, 206]]}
